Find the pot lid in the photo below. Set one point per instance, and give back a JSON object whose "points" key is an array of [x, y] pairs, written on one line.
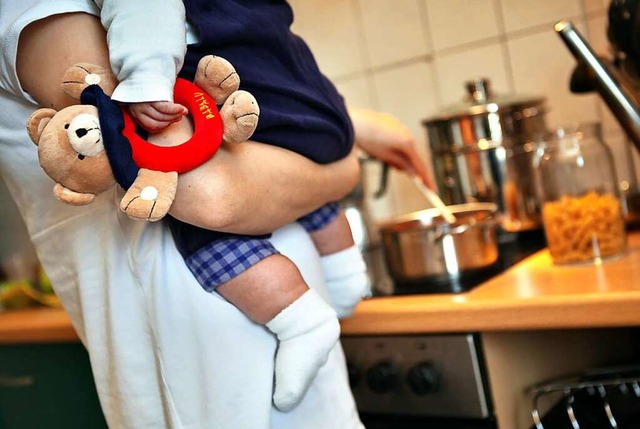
{"points": [[481, 100]]}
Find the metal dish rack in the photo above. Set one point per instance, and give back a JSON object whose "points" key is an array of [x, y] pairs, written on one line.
{"points": [[599, 399]]}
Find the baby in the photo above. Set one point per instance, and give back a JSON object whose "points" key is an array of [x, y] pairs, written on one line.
{"points": [[247, 270]]}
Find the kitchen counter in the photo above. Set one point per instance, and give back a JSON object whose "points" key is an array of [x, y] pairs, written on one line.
{"points": [[533, 294]]}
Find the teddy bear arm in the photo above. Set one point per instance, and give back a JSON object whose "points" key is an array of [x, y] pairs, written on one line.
{"points": [[81, 75], [72, 197], [151, 195]]}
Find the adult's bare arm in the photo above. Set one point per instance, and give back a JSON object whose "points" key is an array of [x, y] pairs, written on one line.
{"points": [[249, 188]]}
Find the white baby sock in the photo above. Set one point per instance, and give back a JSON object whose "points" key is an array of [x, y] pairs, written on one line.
{"points": [[307, 331], [346, 278]]}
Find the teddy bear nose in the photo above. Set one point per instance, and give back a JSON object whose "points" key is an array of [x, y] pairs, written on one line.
{"points": [[80, 132]]}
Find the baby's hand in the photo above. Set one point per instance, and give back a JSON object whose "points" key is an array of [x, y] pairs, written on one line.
{"points": [[157, 115]]}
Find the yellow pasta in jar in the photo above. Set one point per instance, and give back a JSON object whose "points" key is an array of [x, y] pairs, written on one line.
{"points": [[584, 228]]}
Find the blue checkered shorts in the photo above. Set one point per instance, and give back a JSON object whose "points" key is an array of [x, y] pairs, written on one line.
{"points": [[318, 219], [222, 260]]}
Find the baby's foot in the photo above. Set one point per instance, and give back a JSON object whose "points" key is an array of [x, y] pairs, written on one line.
{"points": [[307, 330], [346, 278]]}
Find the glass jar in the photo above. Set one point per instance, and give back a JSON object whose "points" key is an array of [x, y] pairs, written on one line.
{"points": [[582, 212]]}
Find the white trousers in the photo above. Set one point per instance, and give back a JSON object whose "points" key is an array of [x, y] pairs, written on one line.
{"points": [[166, 354]]}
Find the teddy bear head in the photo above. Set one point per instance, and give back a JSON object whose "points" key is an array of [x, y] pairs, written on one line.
{"points": [[71, 152]]}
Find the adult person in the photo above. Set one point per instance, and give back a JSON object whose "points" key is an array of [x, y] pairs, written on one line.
{"points": [[163, 352]]}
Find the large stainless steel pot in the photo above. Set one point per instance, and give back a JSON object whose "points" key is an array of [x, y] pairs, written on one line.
{"points": [[421, 246], [482, 151]]}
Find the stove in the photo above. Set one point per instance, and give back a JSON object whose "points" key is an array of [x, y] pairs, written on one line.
{"points": [[440, 381]]}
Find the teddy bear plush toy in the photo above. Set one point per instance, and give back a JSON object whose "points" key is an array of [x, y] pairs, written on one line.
{"points": [[87, 148]]}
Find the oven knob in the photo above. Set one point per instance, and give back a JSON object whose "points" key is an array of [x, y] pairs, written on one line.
{"points": [[423, 378], [382, 377]]}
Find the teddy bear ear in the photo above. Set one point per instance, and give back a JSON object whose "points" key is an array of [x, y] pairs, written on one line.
{"points": [[37, 122], [79, 76]]}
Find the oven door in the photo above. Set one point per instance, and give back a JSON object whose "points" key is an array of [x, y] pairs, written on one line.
{"points": [[407, 381]]}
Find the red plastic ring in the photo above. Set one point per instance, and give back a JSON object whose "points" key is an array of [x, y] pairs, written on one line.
{"points": [[205, 142]]}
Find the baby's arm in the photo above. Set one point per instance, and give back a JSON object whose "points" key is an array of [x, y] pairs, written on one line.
{"points": [[147, 44]]}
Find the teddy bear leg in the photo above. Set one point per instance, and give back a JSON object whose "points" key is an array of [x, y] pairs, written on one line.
{"points": [[217, 77], [240, 115], [151, 195]]}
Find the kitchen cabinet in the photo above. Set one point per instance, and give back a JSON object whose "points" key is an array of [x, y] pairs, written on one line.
{"points": [[47, 386]]}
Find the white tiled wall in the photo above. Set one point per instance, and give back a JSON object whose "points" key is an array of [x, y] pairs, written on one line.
{"points": [[412, 57]]}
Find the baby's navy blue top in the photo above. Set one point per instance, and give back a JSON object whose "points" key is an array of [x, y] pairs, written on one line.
{"points": [[300, 109]]}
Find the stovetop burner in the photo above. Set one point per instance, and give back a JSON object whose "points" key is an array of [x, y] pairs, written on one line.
{"points": [[512, 248]]}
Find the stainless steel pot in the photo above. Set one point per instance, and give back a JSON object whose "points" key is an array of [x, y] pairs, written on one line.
{"points": [[421, 246], [482, 151]]}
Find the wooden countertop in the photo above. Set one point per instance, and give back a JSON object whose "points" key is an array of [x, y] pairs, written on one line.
{"points": [[534, 294]]}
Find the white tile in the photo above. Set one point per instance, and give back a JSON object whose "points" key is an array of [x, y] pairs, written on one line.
{"points": [[456, 69], [336, 43], [609, 122], [456, 22], [596, 34], [597, 37], [636, 163], [408, 93], [394, 31], [623, 156], [542, 65], [521, 14], [357, 92], [595, 5]]}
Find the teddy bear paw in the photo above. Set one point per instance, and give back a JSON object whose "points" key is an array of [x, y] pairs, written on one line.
{"points": [[240, 115], [81, 75]]}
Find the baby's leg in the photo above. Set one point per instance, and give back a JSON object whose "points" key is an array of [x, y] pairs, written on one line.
{"points": [[272, 292], [344, 268]]}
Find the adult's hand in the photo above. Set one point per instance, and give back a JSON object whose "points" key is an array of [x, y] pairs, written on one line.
{"points": [[384, 137]]}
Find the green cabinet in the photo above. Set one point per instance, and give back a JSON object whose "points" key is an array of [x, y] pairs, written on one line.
{"points": [[48, 386]]}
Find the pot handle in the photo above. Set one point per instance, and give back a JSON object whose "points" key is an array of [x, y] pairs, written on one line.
{"points": [[490, 222]]}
